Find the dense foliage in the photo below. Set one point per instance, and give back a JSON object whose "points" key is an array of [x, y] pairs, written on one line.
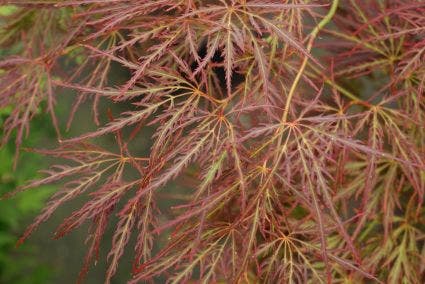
{"points": [[297, 127]]}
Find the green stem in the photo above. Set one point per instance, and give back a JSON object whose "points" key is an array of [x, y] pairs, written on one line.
{"points": [[313, 36]]}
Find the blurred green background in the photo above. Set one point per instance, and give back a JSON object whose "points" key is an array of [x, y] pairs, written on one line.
{"points": [[21, 265], [41, 259]]}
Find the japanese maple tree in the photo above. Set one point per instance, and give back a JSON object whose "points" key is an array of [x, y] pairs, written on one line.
{"points": [[297, 127]]}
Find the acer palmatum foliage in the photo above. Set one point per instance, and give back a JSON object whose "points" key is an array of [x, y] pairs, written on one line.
{"points": [[300, 125]]}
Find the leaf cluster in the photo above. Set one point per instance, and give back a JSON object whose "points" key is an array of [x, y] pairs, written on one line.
{"points": [[298, 127]]}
